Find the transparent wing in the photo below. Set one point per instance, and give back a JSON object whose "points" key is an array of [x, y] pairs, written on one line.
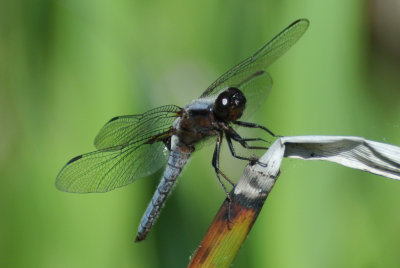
{"points": [[253, 68], [130, 147], [105, 170], [256, 90], [121, 130]]}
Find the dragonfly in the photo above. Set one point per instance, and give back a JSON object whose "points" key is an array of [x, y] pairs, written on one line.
{"points": [[133, 146]]}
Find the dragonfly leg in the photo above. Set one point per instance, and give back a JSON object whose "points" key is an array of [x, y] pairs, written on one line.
{"points": [[253, 125], [236, 137], [232, 149], [215, 164], [231, 134], [255, 139]]}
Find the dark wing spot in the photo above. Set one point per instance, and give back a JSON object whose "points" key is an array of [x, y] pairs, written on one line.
{"points": [[113, 119], [74, 159]]}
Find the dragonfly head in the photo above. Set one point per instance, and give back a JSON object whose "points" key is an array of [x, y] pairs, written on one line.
{"points": [[230, 104]]}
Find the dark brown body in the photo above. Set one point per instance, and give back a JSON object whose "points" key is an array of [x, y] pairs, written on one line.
{"points": [[197, 121]]}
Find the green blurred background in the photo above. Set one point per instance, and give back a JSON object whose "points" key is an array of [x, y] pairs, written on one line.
{"points": [[67, 67]]}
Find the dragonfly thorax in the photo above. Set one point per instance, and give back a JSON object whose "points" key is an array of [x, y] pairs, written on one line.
{"points": [[197, 121]]}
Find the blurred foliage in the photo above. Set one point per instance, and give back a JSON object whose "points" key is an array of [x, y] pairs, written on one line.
{"points": [[67, 67]]}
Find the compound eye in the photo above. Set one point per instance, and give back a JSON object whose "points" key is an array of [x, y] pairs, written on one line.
{"points": [[230, 104], [222, 106], [225, 101], [238, 100]]}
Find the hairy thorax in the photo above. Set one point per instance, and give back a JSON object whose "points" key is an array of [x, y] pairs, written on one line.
{"points": [[196, 122]]}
